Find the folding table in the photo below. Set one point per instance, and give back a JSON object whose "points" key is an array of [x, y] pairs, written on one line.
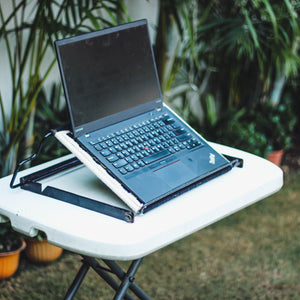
{"points": [[95, 235]]}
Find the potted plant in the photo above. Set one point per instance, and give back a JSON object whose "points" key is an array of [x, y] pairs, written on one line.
{"points": [[39, 250], [262, 130], [277, 122], [237, 130], [11, 245]]}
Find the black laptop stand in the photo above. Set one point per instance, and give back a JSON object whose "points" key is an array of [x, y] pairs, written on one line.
{"points": [[30, 183]]}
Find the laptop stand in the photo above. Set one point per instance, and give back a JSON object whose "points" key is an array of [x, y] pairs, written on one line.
{"points": [[30, 183]]}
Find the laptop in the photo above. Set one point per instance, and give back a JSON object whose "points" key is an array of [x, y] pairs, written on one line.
{"points": [[120, 127]]}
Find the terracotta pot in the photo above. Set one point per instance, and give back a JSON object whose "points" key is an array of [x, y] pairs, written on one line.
{"points": [[9, 262], [275, 157], [41, 251]]}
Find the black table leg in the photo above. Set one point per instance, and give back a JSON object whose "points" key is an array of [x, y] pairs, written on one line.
{"points": [[77, 281], [126, 278], [117, 270], [103, 273]]}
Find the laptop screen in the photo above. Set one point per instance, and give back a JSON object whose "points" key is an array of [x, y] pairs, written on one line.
{"points": [[107, 72]]}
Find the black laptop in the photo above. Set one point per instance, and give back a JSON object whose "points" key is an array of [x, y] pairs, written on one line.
{"points": [[118, 117]]}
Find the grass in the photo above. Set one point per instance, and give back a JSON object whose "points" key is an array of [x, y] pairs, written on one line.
{"points": [[253, 254]]}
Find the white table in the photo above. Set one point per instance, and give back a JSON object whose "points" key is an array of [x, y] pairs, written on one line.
{"points": [[95, 235]]}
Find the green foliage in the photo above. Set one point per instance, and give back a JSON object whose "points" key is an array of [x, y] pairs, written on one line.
{"points": [[258, 130], [240, 131], [41, 236], [9, 239], [51, 113], [251, 45], [231, 56], [276, 122], [28, 32]]}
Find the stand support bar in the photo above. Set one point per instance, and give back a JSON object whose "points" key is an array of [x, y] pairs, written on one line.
{"points": [[77, 281]]}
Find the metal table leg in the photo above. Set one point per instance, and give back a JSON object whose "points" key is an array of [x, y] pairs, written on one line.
{"points": [[127, 279], [117, 270], [77, 281], [103, 273]]}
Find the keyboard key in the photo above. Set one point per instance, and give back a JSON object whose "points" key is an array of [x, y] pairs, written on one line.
{"points": [[130, 135], [128, 144], [129, 168], [175, 125], [118, 148], [112, 158], [115, 141], [120, 163], [109, 143], [103, 145], [123, 171], [105, 152], [131, 151], [140, 155], [98, 147], [179, 131], [184, 137], [129, 159], [93, 142], [140, 163], [193, 143], [135, 165], [120, 155], [125, 137], [171, 150], [125, 153], [134, 157], [112, 149], [168, 121]]}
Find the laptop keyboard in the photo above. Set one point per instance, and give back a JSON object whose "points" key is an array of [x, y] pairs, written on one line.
{"points": [[143, 143]]}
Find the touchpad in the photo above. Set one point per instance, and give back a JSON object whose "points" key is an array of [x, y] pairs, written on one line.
{"points": [[175, 173]]}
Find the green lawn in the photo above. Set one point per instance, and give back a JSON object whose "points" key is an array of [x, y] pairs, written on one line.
{"points": [[253, 254]]}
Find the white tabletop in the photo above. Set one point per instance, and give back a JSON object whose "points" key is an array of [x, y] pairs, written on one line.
{"points": [[90, 233]]}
